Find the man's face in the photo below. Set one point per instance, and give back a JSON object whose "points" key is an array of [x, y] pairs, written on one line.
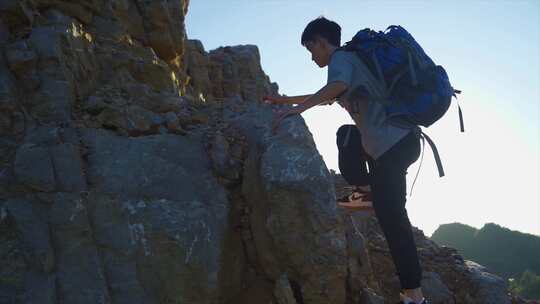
{"points": [[319, 52]]}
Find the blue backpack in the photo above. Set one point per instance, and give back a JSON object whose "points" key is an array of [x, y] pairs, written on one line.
{"points": [[419, 92]]}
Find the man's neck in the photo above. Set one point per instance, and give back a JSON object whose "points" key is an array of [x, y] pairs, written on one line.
{"points": [[332, 49]]}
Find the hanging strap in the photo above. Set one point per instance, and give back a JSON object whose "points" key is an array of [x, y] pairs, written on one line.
{"points": [[461, 124], [435, 154], [423, 138], [462, 127], [420, 166]]}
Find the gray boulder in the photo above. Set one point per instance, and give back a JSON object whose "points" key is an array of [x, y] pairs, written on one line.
{"points": [[295, 225], [157, 192], [488, 288]]}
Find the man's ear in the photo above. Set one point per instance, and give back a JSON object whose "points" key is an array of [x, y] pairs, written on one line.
{"points": [[318, 40], [323, 43]]}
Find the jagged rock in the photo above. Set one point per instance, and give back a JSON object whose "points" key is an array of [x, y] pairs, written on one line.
{"points": [[94, 105], [226, 157], [187, 119], [60, 46], [110, 105], [165, 104], [164, 26], [80, 11], [294, 219], [8, 101], [128, 14], [435, 290], [197, 67], [370, 297], [22, 61], [236, 71], [173, 123], [14, 13], [227, 72], [110, 29], [134, 119], [490, 288], [8, 98], [4, 33], [283, 291]]}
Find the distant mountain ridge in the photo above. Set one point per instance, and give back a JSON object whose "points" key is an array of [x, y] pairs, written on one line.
{"points": [[506, 252]]}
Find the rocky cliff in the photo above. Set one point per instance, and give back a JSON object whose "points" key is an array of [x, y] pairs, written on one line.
{"points": [[136, 167]]}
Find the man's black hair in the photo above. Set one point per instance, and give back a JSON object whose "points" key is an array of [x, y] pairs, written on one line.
{"points": [[322, 27]]}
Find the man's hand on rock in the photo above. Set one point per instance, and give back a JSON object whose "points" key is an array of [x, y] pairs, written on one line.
{"points": [[276, 99]]}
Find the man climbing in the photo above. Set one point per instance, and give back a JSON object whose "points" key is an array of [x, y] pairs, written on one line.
{"points": [[391, 149]]}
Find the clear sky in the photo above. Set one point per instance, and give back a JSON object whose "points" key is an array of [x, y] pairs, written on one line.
{"points": [[491, 51]]}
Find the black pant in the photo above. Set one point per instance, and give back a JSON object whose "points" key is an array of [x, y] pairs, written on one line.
{"points": [[386, 175], [353, 161], [389, 189]]}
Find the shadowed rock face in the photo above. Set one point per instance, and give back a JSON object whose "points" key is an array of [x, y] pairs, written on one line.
{"points": [[297, 232], [136, 167]]}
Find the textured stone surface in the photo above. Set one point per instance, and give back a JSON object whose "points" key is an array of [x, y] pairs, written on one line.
{"points": [[78, 261], [8, 98], [171, 214], [68, 167], [227, 72], [293, 217], [490, 288], [370, 297], [435, 290], [198, 68], [236, 71], [283, 291], [30, 219], [34, 168]]}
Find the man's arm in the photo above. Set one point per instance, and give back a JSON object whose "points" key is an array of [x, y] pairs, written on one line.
{"points": [[327, 93], [287, 99]]}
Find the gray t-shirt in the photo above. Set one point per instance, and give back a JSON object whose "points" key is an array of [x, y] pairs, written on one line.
{"points": [[378, 136]]}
